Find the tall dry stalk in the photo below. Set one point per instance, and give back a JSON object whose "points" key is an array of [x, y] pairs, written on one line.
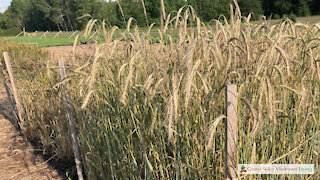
{"points": [[157, 101]]}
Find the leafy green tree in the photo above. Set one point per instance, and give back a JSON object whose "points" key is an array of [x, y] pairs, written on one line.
{"points": [[3, 21], [267, 6], [64, 14], [285, 7], [302, 8], [133, 8], [56, 11], [173, 5], [251, 6], [17, 13], [153, 8], [109, 13], [315, 7], [210, 9]]}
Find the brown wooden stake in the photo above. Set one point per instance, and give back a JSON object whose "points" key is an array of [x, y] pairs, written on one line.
{"points": [[231, 131], [71, 121], [9, 94], [24, 31], [14, 87]]}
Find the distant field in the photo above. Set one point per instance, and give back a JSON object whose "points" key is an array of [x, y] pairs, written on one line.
{"points": [[306, 20], [44, 42], [310, 20], [63, 40]]}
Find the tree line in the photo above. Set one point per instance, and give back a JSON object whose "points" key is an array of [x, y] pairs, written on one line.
{"points": [[56, 15]]}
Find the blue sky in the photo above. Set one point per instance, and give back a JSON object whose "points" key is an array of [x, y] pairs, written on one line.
{"points": [[4, 4]]}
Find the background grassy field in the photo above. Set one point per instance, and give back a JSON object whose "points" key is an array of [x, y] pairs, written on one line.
{"points": [[63, 40], [305, 20]]}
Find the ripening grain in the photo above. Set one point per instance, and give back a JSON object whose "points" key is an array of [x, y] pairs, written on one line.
{"points": [[146, 109]]}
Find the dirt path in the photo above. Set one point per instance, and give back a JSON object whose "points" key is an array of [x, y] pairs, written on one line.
{"points": [[66, 53], [18, 158]]}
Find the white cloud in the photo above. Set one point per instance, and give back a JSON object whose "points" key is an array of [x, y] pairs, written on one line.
{"points": [[3, 7]]}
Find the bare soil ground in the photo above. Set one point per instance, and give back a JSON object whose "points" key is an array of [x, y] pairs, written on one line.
{"points": [[18, 158], [66, 53]]}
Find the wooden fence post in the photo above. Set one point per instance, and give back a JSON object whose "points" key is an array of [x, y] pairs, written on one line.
{"points": [[19, 34], [34, 34], [74, 33], [14, 87], [44, 35], [231, 131], [9, 94], [93, 35], [57, 34], [71, 121]]}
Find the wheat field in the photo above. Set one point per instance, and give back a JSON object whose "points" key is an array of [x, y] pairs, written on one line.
{"points": [[156, 110]]}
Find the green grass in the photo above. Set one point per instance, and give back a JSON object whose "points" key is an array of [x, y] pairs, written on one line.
{"points": [[62, 40]]}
